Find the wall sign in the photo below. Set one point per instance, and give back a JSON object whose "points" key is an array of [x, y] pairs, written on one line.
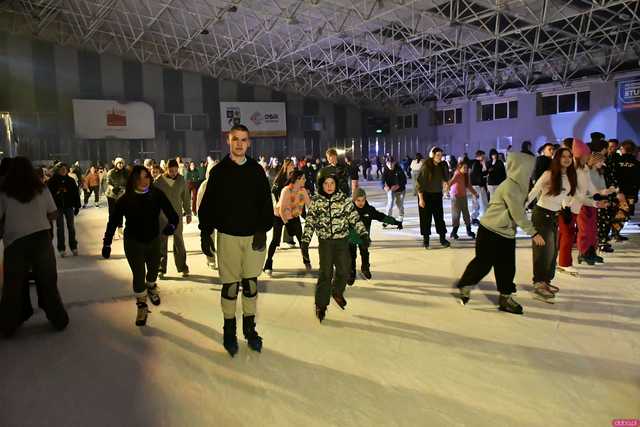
{"points": [[264, 119], [629, 95], [100, 119]]}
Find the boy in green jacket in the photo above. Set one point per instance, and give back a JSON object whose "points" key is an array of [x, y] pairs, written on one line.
{"points": [[496, 237]]}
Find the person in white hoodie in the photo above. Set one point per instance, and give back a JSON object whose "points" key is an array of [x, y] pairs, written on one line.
{"points": [[496, 237], [211, 260]]}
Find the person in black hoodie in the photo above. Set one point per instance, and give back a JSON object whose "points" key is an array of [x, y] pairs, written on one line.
{"points": [[629, 174], [367, 214], [394, 182], [141, 205], [66, 194], [543, 161], [497, 172], [237, 203]]}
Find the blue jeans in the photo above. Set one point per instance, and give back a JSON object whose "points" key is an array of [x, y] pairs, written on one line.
{"points": [[66, 214]]}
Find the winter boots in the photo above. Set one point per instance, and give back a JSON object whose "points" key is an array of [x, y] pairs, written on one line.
{"points": [[365, 272], [153, 294], [454, 233], [444, 242]]}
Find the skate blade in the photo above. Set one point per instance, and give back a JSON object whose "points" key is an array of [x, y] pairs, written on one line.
{"points": [[543, 299], [570, 273]]}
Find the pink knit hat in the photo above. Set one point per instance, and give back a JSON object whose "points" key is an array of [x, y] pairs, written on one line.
{"points": [[580, 149]]}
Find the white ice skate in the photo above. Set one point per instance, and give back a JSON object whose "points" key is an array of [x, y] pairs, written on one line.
{"points": [[572, 271]]}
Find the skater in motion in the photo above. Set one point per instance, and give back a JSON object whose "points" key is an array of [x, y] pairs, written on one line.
{"points": [[141, 205], [496, 238], [292, 201], [552, 190], [367, 214], [116, 182], [26, 207], [237, 203], [331, 215]]}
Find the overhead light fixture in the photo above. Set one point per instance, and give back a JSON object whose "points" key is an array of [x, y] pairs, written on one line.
{"points": [[232, 9]]}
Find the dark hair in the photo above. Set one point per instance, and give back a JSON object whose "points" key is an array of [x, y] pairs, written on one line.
{"points": [[173, 163], [568, 143], [545, 145], [134, 176], [295, 175], [614, 140], [493, 152], [21, 182], [429, 165], [239, 127], [282, 177], [556, 174], [480, 153], [418, 156], [525, 146], [628, 144]]}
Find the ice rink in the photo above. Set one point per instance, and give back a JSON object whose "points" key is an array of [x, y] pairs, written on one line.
{"points": [[404, 353]]}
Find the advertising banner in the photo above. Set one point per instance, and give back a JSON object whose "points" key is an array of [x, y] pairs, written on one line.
{"points": [[629, 95], [264, 119], [99, 119]]}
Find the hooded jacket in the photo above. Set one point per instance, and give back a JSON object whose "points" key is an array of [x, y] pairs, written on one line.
{"points": [[506, 207], [116, 183], [331, 216], [64, 191], [177, 193]]}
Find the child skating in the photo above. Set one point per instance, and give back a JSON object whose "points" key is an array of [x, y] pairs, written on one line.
{"points": [[367, 214], [331, 215]]}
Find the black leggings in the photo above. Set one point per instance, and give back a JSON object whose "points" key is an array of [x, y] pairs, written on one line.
{"points": [[294, 228], [95, 191], [492, 250], [432, 208], [144, 260]]}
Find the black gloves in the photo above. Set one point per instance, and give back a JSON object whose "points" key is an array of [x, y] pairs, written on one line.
{"points": [[106, 251], [205, 243], [168, 230], [76, 211], [566, 215], [259, 241]]}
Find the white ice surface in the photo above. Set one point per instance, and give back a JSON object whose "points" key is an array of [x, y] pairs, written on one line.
{"points": [[404, 353]]}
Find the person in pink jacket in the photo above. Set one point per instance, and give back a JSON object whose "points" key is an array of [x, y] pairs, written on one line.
{"points": [[459, 185], [291, 204]]}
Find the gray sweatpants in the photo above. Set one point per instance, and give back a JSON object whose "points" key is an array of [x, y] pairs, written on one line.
{"points": [[179, 251], [459, 204]]}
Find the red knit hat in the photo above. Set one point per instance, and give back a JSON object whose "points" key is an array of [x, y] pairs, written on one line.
{"points": [[580, 149]]}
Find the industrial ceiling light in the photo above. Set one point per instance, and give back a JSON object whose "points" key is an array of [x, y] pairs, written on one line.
{"points": [[232, 9]]}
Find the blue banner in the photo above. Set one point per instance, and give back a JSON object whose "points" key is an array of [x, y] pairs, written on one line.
{"points": [[629, 95]]}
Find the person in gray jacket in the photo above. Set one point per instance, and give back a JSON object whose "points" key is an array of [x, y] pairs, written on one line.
{"points": [[496, 237], [173, 185]]}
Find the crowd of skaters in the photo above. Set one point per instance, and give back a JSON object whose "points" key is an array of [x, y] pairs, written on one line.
{"points": [[576, 192]]}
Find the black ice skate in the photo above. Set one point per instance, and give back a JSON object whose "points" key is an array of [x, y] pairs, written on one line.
{"points": [[321, 312], [352, 278], [229, 339], [254, 341], [143, 312], [509, 305], [153, 294], [470, 232], [464, 295], [339, 299], [425, 242], [444, 242], [454, 233], [366, 273]]}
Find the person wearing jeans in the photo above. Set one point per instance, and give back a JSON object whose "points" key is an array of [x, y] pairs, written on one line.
{"points": [[478, 177], [431, 180], [67, 197]]}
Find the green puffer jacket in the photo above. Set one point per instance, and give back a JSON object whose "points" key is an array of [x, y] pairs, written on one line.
{"points": [[116, 183], [332, 217]]}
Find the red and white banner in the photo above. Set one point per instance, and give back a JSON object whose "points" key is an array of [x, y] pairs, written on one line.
{"points": [[99, 119]]}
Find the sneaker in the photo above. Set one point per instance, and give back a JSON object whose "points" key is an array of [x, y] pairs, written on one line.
{"points": [[465, 294], [365, 272], [509, 305], [153, 294], [74, 252], [542, 292], [143, 312]]}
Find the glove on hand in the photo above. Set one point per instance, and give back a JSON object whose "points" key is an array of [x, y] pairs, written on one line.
{"points": [[106, 251], [259, 241], [76, 211], [168, 230], [206, 244]]}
